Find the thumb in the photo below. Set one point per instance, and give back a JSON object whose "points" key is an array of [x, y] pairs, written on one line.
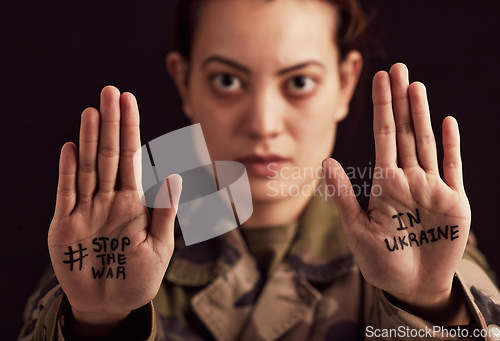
{"points": [[165, 209], [342, 192]]}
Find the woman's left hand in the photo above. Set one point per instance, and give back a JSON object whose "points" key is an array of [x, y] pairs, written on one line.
{"points": [[410, 240]]}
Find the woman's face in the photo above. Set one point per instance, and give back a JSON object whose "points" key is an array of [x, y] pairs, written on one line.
{"points": [[267, 87]]}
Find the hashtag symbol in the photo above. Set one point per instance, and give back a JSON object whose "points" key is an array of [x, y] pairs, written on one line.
{"points": [[72, 258]]}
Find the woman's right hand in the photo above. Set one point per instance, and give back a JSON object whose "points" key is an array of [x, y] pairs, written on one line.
{"points": [[108, 255]]}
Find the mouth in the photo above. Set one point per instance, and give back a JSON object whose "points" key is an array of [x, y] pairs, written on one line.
{"points": [[265, 166]]}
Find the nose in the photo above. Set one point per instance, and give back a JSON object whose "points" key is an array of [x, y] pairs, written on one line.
{"points": [[265, 115]]}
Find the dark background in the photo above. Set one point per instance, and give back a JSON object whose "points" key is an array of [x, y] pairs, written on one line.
{"points": [[57, 56]]}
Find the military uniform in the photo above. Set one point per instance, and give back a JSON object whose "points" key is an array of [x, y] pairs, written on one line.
{"points": [[310, 290]]}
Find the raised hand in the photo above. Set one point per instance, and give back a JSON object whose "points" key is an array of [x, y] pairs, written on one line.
{"points": [[108, 255], [413, 235]]}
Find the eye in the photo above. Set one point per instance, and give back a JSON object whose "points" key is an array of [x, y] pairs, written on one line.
{"points": [[301, 84], [226, 82]]}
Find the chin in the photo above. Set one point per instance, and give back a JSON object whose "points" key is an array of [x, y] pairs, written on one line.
{"points": [[263, 190]]}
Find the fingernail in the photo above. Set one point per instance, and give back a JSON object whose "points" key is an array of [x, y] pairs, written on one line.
{"points": [[326, 162], [175, 188]]}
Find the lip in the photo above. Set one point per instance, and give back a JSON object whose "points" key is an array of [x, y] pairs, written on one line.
{"points": [[263, 158], [264, 165]]}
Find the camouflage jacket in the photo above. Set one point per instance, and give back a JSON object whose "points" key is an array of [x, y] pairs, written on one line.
{"points": [[213, 291]]}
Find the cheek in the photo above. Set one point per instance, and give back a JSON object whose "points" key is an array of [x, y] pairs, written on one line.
{"points": [[216, 131], [315, 141], [315, 130]]}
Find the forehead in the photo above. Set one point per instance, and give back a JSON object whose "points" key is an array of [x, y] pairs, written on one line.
{"points": [[266, 33]]}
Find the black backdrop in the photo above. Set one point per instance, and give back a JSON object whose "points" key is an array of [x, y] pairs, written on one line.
{"points": [[57, 56]]}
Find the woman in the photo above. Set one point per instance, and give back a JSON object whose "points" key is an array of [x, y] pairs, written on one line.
{"points": [[268, 82]]}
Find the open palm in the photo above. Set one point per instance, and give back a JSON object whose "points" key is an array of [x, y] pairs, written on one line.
{"points": [[107, 254], [414, 232]]}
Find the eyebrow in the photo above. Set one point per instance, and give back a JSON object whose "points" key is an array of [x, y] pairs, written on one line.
{"points": [[245, 69]]}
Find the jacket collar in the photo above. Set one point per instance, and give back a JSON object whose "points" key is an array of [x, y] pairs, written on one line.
{"points": [[319, 251]]}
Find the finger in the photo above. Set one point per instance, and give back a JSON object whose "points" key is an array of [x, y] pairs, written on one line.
{"points": [[109, 139], [384, 128], [407, 155], [166, 203], [425, 142], [89, 137], [66, 188], [452, 162], [343, 194], [130, 141]]}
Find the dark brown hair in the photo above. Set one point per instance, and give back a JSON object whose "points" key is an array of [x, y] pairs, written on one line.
{"points": [[349, 32]]}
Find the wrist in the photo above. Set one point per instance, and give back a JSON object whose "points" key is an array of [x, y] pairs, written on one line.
{"points": [[424, 300], [91, 326], [97, 318], [446, 308]]}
